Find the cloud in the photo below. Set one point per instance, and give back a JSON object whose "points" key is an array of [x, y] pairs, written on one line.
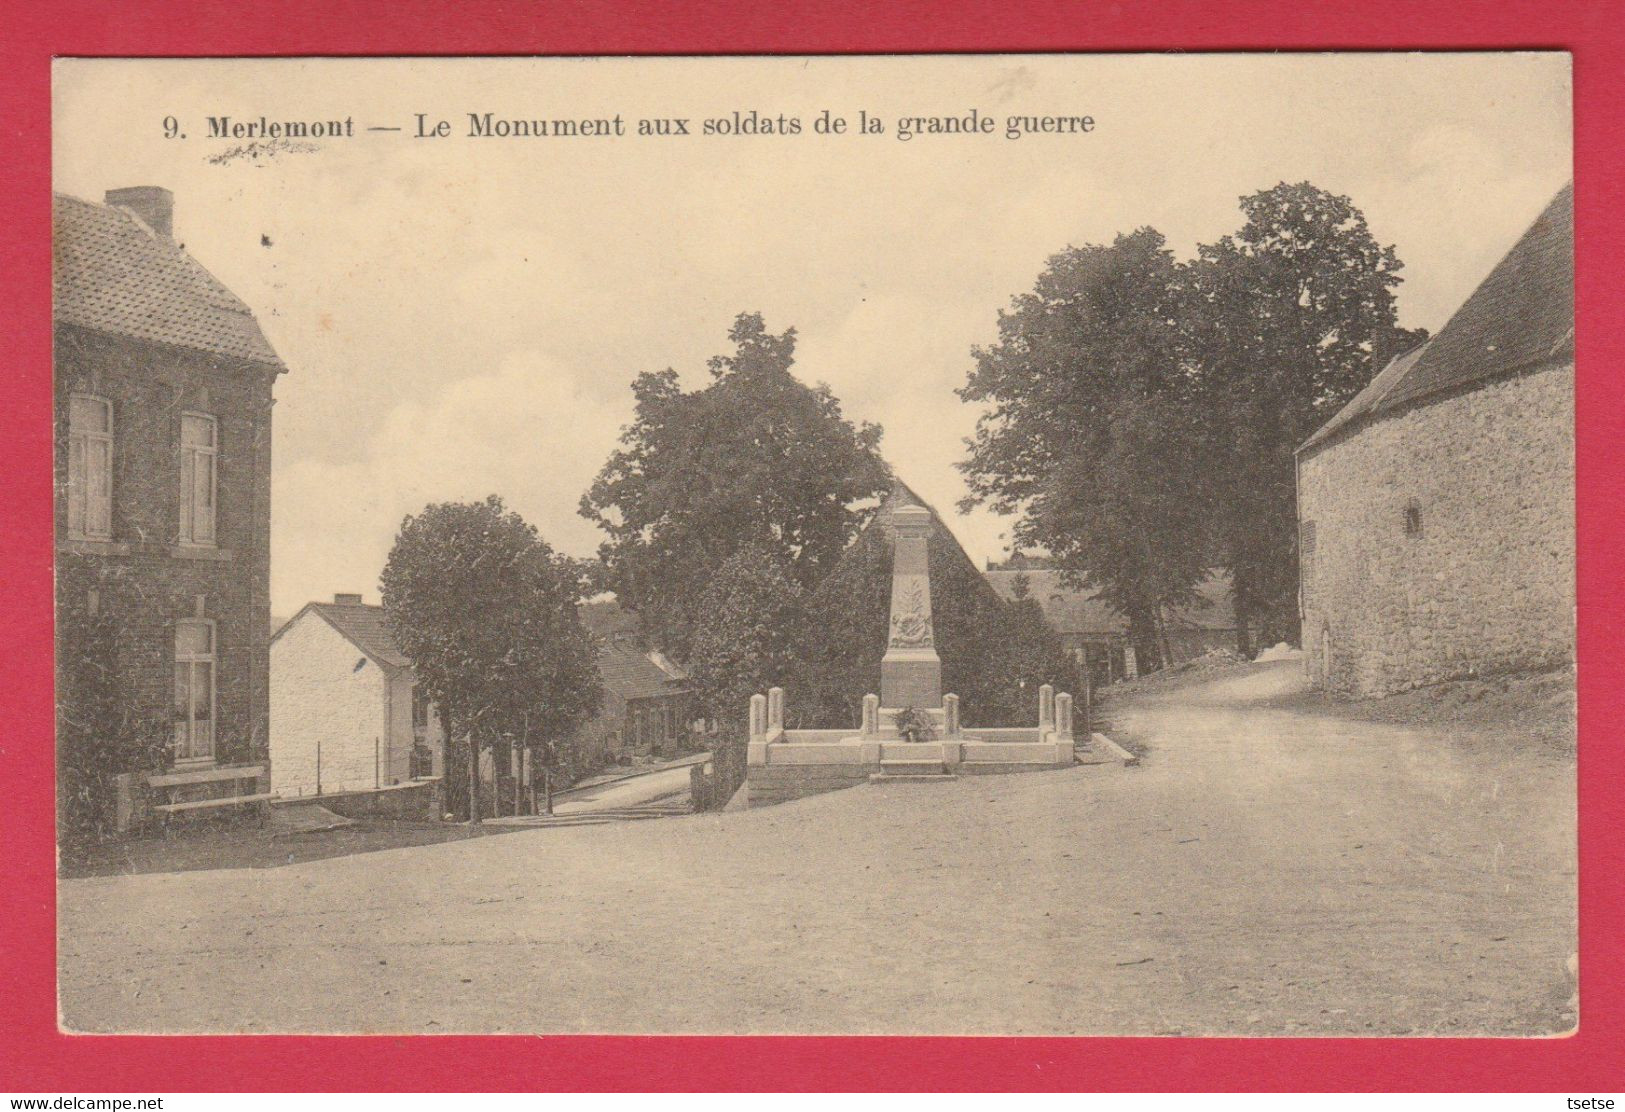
{"points": [[462, 317], [526, 431]]}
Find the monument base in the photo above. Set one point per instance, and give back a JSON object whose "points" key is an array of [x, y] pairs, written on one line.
{"points": [[911, 682], [799, 763]]}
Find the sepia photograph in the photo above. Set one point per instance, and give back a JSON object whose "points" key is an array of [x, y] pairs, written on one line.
{"points": [[1041, 544]]}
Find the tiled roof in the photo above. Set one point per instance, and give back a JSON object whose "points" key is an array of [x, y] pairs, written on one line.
{"points": [[626, 664], [1070, 610], [1370, 399], [366, 627], [1520, 317], [627, 667], [632, 675], [113, 274]]}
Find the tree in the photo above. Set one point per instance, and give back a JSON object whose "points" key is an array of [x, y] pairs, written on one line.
{"points": [[486, 613], [753, 460], [1290, 318], [1092, 435], [744, 642]]}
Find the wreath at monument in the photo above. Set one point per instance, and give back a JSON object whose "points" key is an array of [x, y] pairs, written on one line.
{"points": [[914, 725]]}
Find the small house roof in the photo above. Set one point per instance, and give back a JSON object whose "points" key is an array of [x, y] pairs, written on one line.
{"points": [[628, 667], [114, 274], [362, 625], [1521, 316], [625, 664]]}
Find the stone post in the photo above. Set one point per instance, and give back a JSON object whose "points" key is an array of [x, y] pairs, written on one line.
{"points": [[775, 709], [1046, 708], [871, 715], [698, 789], [1063, 716], [911, 671], [950, 715], [755, 751]]}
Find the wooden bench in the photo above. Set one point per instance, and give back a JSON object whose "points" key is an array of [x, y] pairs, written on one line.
{"points": [[223, 801], [236, 774]]}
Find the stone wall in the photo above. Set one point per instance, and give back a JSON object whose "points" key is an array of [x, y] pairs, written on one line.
{"points": [[418, 801], [1438, 541]]}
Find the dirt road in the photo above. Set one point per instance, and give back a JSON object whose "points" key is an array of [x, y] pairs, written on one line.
{"points": [[1268, 869]]}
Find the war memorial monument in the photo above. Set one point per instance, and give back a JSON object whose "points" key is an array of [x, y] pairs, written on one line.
{"points": [[911, 730]]}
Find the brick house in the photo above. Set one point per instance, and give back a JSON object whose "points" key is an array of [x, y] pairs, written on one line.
{"points": [[1436, 509], [162, 445], [346, 713], [648, 706], [1096, 635]]}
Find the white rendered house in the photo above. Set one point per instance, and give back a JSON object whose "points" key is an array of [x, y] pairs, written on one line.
{"points": [[345, 715]]}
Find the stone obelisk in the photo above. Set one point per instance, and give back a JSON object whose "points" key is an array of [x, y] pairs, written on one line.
{"points": [[910, 672]]}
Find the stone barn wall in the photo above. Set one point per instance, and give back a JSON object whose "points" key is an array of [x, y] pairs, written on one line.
{"points": [[1438, 541]]}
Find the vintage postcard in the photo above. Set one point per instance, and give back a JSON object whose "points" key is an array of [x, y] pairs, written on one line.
{"points": [[915, 545]]}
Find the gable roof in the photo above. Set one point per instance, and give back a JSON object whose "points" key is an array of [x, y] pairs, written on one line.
{"points": [[627, 667], [626, 664], [902, 494], [112, 273], [943, 545], [364, 626], [1071, 610], [1369, 400], [1520, 317]]}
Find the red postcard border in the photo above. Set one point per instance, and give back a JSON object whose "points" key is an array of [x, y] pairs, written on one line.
{"points": [[35, 1057]]}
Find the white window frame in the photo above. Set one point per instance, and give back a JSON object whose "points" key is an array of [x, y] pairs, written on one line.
{"points": [[84, 520], [191, 455], [183, 754]]}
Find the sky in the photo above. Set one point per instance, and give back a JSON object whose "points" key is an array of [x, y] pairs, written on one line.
{"points": [[463, 316]]}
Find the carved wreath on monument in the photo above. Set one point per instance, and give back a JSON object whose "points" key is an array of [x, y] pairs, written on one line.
{"points": [[911, 618]]}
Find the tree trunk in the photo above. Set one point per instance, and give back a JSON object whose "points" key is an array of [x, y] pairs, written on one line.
{"points": [[473, 780], [1244, 643]]}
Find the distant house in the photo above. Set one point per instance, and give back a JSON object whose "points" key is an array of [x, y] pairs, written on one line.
{"points": [[1436, 509], [1097, 635], [162, 434], [346, 712], [648, 705]]}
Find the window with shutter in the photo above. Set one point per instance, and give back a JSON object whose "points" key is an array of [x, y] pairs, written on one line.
{"points": [[90, 467], [199, 435], [194, 690]]}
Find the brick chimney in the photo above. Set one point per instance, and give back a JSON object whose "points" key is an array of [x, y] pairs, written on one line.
{"points": [[347, 600], [154, 204]]}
